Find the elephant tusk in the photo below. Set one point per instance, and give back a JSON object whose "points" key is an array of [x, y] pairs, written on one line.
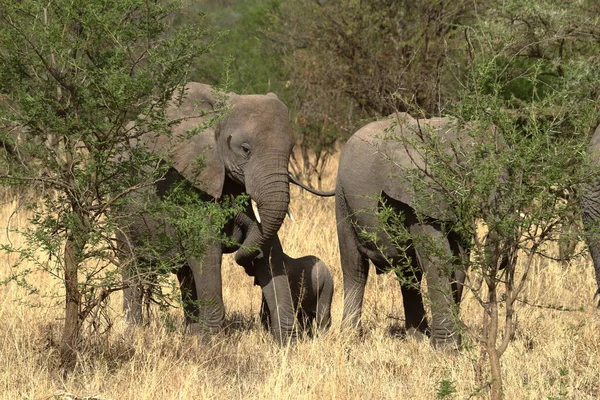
{"points": [[255, 209], [289, 213]]}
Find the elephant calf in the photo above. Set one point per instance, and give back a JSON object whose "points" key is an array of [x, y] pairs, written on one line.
{"points": [[312, 290], [311, 284]]}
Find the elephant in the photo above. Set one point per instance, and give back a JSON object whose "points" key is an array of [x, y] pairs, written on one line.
{"points": [[372, 173], [245, 151], [590, 210], [310, 281], [311, 284]]}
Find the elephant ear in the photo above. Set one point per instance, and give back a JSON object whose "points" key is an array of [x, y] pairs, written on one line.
{"points": [[194, 155], [410, 154]]}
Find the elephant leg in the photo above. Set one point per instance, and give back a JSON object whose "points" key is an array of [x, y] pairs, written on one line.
{"points": [[306, 321], [324, 298], [355, 271], [323, 315], [189, 297], [133, 295], [208, 309], [355, 266], [312, 290], [265, 314], [133, 291], [458, 281], [460, 250], [434, 254], [271, 275], [412, 298]]}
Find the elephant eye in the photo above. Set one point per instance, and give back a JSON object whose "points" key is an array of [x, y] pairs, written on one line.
{"points": [[246, 149]]}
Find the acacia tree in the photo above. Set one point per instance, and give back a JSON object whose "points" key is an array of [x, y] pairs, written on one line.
{"points": [[74, 77], [532, 75], [355, 60]]}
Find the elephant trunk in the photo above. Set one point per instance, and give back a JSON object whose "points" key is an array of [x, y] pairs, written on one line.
{"points": [[271, 195], [277, 295]]}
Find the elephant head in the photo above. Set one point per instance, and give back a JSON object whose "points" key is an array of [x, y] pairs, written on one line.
{"points": [[246, 148]]}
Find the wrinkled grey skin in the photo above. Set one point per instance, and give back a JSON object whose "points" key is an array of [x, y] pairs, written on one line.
{"points": [[246, 151], [590, 204], [312, 291], [371, 172], [311, 285]]}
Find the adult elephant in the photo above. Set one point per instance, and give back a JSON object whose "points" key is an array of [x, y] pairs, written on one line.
{"points": [[590, 204], [246, 151], [373, 172]]}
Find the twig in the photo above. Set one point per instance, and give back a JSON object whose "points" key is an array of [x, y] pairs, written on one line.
{"points": [[550, 306]]}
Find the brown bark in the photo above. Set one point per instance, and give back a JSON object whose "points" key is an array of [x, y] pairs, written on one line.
{"points": [[496, 372], [489, 335], [70, 336], [491, 338]]}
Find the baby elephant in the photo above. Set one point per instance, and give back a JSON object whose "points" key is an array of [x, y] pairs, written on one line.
{"points": [[312, 290], [311, 284]]}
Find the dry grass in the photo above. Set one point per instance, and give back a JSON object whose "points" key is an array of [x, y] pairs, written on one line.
{"points": [[555, 354]]}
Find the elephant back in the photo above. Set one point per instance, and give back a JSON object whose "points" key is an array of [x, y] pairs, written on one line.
{"points": [[397, 153]]}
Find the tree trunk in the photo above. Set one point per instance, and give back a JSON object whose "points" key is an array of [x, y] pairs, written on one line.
{"points": [[491, 339], [70, 336], [496, 372], [497, 389]]}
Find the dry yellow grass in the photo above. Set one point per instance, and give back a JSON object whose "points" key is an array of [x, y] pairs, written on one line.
{"points": [[555, 354]]}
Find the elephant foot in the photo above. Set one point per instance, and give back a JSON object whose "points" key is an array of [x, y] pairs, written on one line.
{"points": [[285, 338], [134, 315], [200, 329], [195, 328], [132, 330], [446, 342], [202, 336], [416, 334], [355, 333]]}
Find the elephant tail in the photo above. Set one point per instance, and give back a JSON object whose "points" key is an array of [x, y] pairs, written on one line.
{"points": [[316, 192]]}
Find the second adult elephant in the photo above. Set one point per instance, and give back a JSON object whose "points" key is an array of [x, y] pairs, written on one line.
{"points": [[372, 173], [246, 151]]}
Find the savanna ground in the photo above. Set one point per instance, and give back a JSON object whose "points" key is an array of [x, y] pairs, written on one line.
{"points": [[555, 354]]}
